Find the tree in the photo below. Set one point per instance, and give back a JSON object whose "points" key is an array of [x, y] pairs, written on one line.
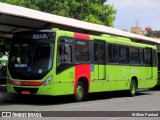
{"points": [[95, 11], [154, 34], [125, 30], [4, 47], [24, 3]]}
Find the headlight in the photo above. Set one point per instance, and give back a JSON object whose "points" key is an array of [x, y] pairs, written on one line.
{"points": [[47, 81]]}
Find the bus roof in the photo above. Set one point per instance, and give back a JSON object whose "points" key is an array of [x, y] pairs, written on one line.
{"points": [[121, 40]]}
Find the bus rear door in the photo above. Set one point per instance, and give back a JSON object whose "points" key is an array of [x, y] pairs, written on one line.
{"points": [[148, 61], [99, 60]]}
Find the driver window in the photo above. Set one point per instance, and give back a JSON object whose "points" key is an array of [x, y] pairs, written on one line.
{"points": [[64, 53]]}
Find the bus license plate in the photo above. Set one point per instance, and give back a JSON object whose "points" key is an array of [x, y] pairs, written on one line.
{"points": [[25, 92]]}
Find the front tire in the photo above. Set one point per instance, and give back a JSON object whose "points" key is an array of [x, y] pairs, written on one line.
{"points": [[81, 93], [133, 88]]}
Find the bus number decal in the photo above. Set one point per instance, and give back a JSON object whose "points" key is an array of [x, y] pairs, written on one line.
{"points": [[40, 36]]}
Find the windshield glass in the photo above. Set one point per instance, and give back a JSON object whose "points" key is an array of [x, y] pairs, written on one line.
{"points": [[30, 59]]}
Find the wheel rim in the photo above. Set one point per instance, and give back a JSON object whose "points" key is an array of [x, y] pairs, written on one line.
{"points": [[79, 92], [133, 88]]}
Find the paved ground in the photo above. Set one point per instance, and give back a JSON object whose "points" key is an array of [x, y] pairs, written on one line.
{"points": [[148, 100]]}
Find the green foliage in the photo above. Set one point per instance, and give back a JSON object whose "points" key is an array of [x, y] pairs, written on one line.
{"points": [[3, 62], [125, 30], [24, 3], [94, 11], [4, 47], [154, 34]]}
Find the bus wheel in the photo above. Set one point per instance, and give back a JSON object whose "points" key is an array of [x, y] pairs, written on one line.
{"points": [[133, 88], [81, 93]]}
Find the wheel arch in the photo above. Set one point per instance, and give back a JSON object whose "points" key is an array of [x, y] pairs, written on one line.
{"points": [[135, 79], [85, 82]]}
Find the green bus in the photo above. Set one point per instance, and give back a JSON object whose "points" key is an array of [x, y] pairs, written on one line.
{"points": [[56, 62]]}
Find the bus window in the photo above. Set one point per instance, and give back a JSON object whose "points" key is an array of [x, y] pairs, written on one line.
{"points": [[142, 60], [148, 56], [82, 51], [95, 52], [154, 60], [112, 54], [123, 55], [99, 52], [134, 55], [64, 54]]}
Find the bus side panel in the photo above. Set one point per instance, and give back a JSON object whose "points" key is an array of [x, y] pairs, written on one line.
{"points": [[123, 77], [65, 82], [117, 78], [151, 82], [139, 72], [100, 86], [112, 76]]}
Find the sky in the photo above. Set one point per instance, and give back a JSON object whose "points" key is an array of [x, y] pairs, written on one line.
{"points": [[131, 13]]}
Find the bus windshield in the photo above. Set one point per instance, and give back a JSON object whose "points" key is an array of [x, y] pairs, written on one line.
{"points": [[30, 59]]}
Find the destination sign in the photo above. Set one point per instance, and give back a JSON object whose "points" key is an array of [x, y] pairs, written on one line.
{"points": [[35, 36], [40, 36]]}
